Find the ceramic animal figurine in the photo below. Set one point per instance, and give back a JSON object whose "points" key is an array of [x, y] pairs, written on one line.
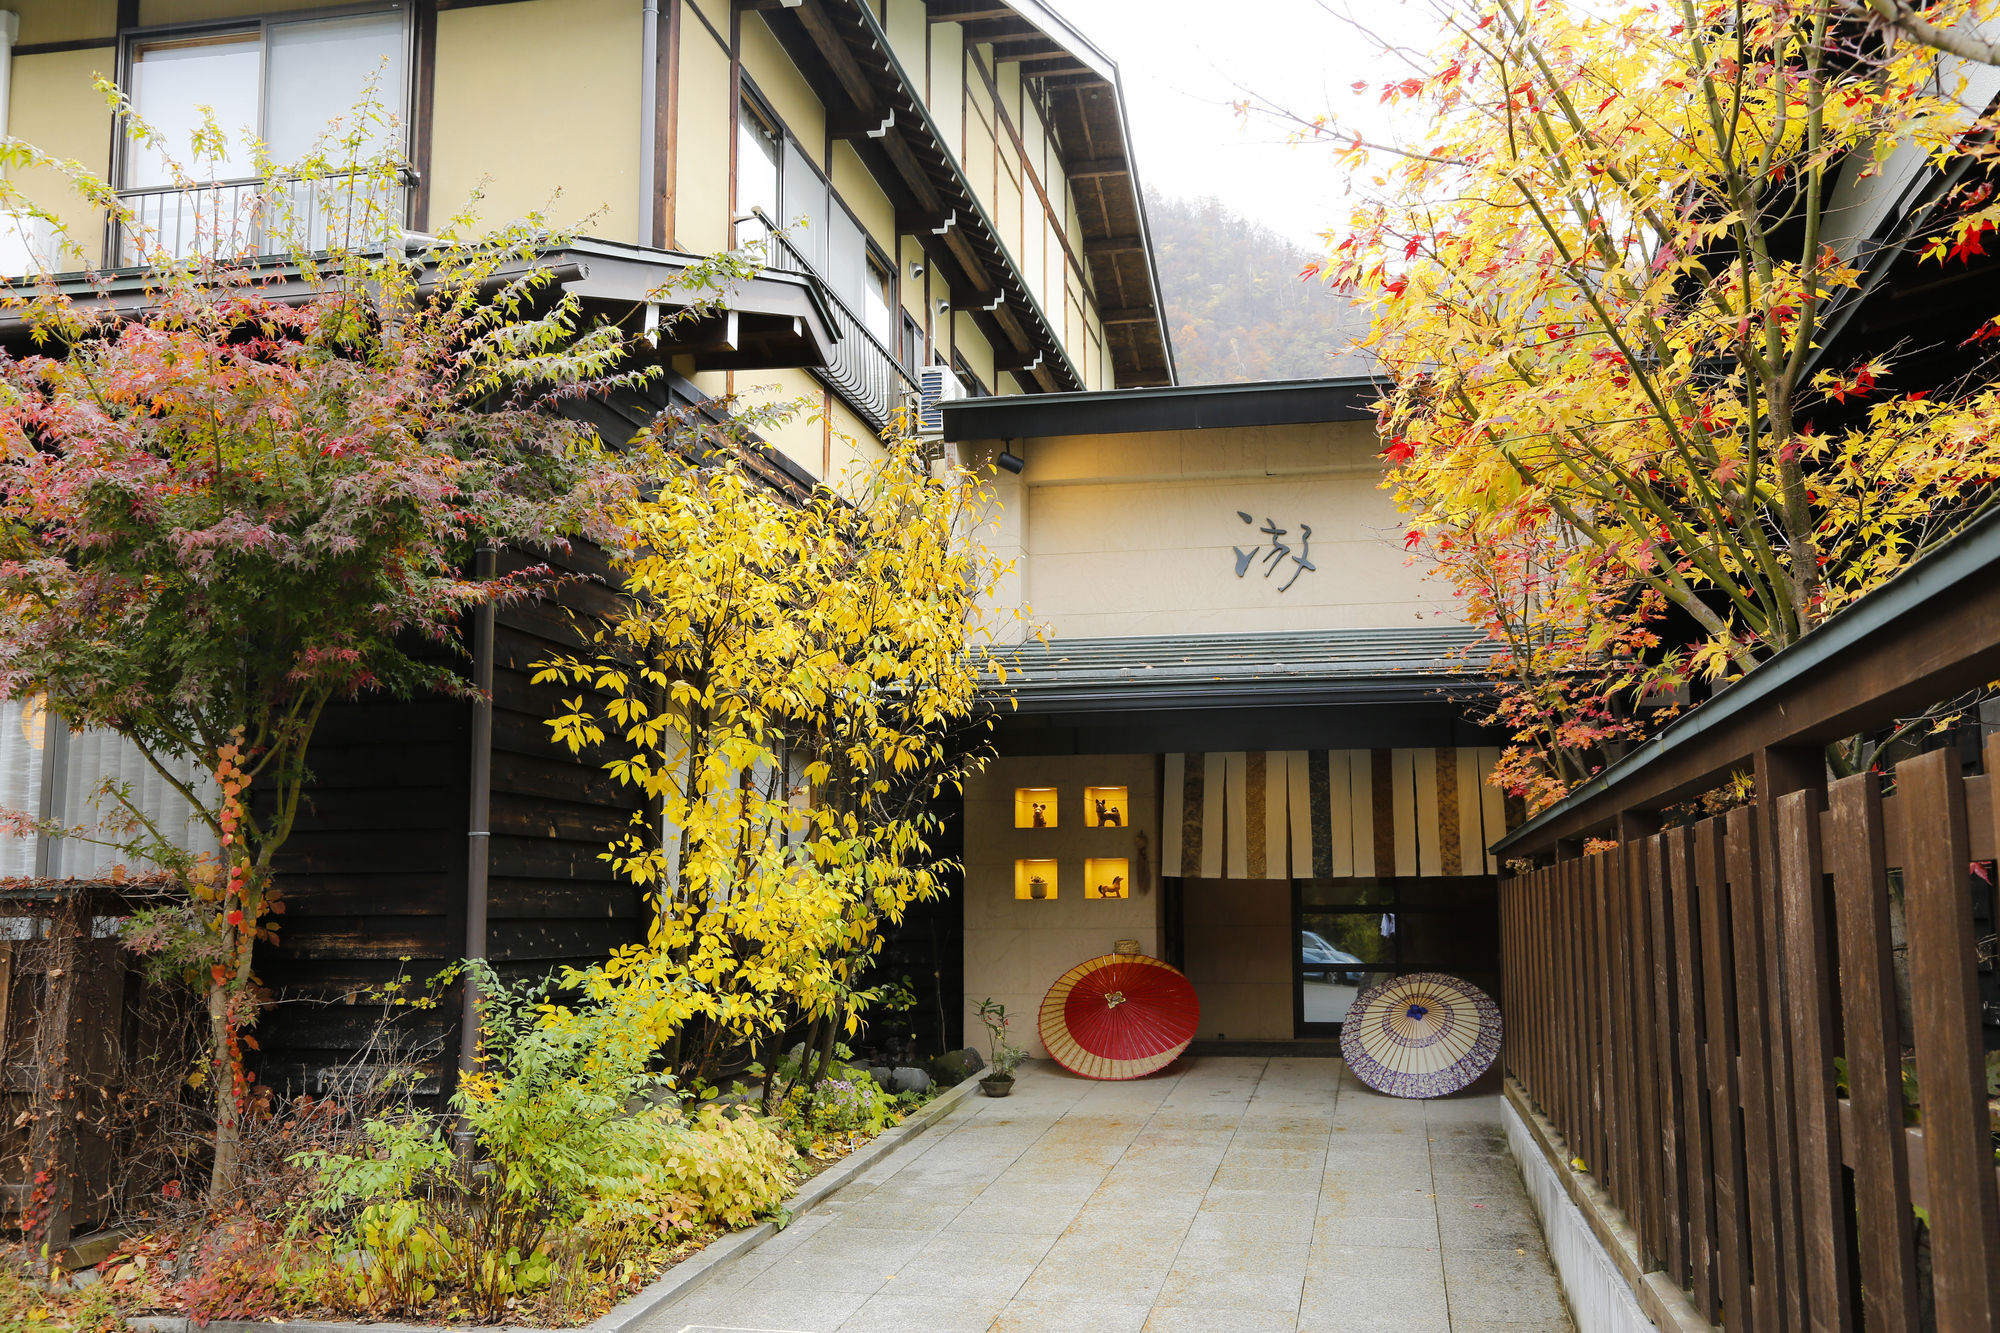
{"points": [[1115, 889], [1107, 814], [1041, 818]]}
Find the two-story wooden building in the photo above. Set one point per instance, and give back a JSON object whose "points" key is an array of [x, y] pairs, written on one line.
{"points": [[956, 190]]}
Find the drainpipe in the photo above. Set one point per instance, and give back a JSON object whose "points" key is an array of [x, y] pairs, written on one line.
{"points": [[10, 29], [649, 96], [478, 836]]}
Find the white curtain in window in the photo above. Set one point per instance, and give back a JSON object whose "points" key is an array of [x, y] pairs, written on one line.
{"points": [[847, 259], [319, 71], [20, 779], [96, 757], [805, 207], [171, 82]]}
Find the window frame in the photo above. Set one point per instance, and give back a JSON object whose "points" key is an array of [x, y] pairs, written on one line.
{"points": [[131, 39], [750, 100]]}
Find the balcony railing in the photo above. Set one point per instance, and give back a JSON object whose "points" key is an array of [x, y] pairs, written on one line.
{"points": [[863, 371], [264, 215]]}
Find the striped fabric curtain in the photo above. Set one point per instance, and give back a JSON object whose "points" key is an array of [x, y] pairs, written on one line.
{"points": [[1332, 814]]}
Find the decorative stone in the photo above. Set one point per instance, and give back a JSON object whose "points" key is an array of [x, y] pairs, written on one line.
{"points": [[911, 1079], [954, 1067]]}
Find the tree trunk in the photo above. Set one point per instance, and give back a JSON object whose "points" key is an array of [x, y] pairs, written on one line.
{"points": [[226, 1171]]}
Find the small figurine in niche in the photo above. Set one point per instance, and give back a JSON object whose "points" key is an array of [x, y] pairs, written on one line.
{"points": [[1041, 815], [1037, 886], [1107, 814], [1115, 889]]}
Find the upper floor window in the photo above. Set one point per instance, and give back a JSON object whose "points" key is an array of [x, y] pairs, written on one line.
{"points": [[296, 87], [278, 83], [758, 153], [878, 300]]}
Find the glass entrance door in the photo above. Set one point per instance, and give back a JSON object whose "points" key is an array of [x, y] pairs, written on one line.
{"points": [[1353, 933]]}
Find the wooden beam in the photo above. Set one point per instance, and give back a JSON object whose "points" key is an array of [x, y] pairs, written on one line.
{"points": [[853, 126], [1136, 315], [1094, 168], [1096, 246], [925, 224], [973, 15]]}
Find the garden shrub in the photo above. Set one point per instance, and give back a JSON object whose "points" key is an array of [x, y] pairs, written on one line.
{"points": [[582, 1163]]}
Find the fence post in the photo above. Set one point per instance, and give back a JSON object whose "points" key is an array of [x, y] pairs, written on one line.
{"points": [[1779, 771]]}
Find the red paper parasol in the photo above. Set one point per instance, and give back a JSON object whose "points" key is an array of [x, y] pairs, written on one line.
{"points": [[1119, 1016]]}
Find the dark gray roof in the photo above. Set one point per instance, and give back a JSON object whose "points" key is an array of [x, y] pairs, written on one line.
{"points": [[1018, 416], [1191, 670]]}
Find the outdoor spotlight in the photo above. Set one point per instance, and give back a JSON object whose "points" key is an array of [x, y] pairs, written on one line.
{"points": [[916, 269], [1011, 461]]}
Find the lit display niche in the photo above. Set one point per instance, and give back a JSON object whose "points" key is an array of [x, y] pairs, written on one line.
{"points": [[1107, 877], [1035, 878], [1034, 807], [1104, 807]]}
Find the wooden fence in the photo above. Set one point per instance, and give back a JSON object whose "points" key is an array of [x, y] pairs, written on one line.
{"points": [[1710, 1017], [1768, 1034]]}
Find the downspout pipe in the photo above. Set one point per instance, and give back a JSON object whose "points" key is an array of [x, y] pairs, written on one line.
{"points": [[649, 96], [10, 32], [479, 813]]}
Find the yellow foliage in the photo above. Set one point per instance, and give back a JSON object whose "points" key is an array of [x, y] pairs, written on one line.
{"points": [[790, 683], [1604, 285]]}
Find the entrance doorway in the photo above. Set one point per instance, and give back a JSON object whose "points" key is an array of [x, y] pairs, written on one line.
{"points": [[1354, 933]]}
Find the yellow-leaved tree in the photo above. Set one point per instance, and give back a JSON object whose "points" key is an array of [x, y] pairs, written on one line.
{"points": [[793, 682], [1607, 282]]}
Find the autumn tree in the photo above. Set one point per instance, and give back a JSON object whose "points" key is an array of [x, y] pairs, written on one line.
{"points": [[222, 513], [1604, 282], [793, 684]]}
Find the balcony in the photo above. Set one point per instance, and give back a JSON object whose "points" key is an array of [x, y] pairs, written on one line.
{"points": [[861, 369], [260, 215]]}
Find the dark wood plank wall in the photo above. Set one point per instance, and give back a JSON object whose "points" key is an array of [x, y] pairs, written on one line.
{"points": [[374, 886], [553, 900]]}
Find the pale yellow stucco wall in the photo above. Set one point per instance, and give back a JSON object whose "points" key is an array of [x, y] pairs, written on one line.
{"points": [[538, 105], [65, 21], [1136, 534], [701, 176], [52, 105], [766, 66], [1016, 948]]}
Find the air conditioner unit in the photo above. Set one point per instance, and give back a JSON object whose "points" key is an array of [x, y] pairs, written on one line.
{"points": [[936, 386]]}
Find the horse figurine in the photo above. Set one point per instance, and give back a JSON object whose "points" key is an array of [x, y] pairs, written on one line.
{"points": [[1115, 889], [1107, 814]]}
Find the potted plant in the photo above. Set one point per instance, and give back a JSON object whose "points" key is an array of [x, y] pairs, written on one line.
{"points": [[1005, 1056]]}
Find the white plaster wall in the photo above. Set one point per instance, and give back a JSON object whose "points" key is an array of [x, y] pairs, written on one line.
{"points": [[1134, 534], [1014, 948]]}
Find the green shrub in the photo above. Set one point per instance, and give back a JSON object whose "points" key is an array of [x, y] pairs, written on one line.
{"points": [[583, 1164]]}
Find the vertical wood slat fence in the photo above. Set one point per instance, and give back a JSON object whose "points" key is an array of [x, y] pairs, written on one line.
{"points": [[1709, 1015]]}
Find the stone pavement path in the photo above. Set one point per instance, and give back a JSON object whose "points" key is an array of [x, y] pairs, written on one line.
{"points": [[1235, 1195]]}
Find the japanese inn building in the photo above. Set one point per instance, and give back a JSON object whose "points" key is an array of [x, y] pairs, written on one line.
{"points": [[1241, 746]]}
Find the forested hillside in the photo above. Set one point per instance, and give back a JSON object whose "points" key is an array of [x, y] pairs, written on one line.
{"points": [[1236, 305]]}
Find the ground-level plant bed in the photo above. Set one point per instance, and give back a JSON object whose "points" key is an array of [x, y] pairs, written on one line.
{"points": [[585, 1180], [114, 1304]]}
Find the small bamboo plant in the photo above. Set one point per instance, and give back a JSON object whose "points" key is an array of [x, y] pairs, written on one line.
{"points": [[1006, 1056]]}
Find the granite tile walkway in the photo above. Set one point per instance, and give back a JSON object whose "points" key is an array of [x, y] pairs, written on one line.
{"points": [[1232, 1195]]}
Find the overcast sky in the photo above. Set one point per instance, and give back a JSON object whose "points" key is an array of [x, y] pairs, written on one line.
{"points": [[1183, 63]]}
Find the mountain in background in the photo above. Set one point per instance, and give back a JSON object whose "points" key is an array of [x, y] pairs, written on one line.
{"points": [[1236, 305]]}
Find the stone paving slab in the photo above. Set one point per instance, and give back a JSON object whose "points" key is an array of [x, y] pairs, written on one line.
{"points": [[1232, 1194]]}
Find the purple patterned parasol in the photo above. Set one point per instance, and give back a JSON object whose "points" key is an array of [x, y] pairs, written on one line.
{"points": [[1422, 1035]]}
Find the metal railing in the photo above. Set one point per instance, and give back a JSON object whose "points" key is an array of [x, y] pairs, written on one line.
{"points": [[260, 215], [863, 371]]}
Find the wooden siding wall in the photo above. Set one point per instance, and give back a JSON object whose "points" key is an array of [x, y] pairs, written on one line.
{"points": [[1677, 1006], [374, 886], [375, 875], [552, 901]]}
